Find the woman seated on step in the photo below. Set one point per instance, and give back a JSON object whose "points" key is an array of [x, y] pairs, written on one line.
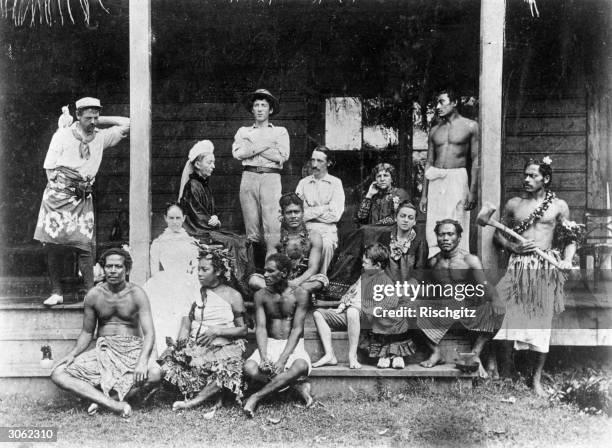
{"points": [[389, 340], [376, 216], [208, 354], [173, 279], [201, 219], [303, 248]]}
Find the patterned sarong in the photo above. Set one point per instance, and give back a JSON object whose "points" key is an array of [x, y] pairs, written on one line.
{"points": [[110, 364], [66, 216]]}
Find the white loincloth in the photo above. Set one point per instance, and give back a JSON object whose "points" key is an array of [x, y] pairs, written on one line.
{"points": [[446, 194], [276, 347]]}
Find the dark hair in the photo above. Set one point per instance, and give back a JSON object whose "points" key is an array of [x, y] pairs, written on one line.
{"points": [[283, 263], [328, 154], [288, 199], [440, 223], [219, 258], [544, 168], [407, 203], [385, 167], [127, 258], [378, 254], [452, 94], [176, 204]]}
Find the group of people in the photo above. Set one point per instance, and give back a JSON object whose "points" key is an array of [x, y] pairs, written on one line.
{"points": [[187, 325]]}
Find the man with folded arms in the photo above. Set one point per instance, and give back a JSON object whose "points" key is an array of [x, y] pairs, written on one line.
{"points": [[262, 148]]}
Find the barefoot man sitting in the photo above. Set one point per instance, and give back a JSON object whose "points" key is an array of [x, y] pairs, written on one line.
{"points": [[121, 358], [532, 286], [280, 358], [462, 271]]}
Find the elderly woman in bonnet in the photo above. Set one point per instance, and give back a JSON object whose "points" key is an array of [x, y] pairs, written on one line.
{"points": [[201, 219]]}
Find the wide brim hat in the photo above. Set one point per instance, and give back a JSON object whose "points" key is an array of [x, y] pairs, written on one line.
{"points": [[261, 94]]}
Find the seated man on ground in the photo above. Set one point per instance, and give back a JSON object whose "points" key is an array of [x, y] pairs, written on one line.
{"points": [[280, 359], [454, 266], [121, 359], [303, 247], [210, 346], [355, 310]]}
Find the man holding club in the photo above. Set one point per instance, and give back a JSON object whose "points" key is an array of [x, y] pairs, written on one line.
{"points": [[533, 284]]}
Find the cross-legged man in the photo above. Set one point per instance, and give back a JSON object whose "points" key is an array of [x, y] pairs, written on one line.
{"points": [[280, 359], [121, 359]]}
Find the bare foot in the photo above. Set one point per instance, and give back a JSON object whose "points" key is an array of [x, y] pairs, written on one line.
{"points": [[433, 360], [326, 360], [178, 405], [537, 388], [126, 412], [353, 363], [304, 390], [249, 407]]}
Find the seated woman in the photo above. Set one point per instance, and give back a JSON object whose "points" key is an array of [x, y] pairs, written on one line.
{"points": [[201, 220], [379, 205], [303, 248], [389, 340], [173, 264], [208, 354], [376, 214]]}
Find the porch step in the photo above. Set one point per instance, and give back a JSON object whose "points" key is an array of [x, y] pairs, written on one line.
{"points": [[36, 288]]}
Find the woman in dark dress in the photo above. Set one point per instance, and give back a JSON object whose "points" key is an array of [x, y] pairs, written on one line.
{"points": [[389, 340], [201, 220]]}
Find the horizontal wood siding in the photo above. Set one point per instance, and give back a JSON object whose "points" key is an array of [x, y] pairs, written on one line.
{"points": [[176, 128], [541, 126]]}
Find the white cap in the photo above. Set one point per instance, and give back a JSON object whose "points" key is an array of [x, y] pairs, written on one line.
{"points": [[201, 147], [88, 102]]}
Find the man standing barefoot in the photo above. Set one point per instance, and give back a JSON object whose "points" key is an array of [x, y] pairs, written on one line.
{"points": [[446, 193], [121, 357], [532, 287], [280, 358]]}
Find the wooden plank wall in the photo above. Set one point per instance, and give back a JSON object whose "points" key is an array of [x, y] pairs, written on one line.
{"points": [[176, 127], [555, 126]]}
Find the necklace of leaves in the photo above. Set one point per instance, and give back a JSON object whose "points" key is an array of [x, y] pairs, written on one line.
{"points": [[536, 214]]}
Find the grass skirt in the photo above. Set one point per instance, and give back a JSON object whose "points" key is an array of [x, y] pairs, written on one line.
{"points": [[192, 367]]}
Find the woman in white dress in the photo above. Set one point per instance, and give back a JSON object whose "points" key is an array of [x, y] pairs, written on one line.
{"points": [[173, 283]]}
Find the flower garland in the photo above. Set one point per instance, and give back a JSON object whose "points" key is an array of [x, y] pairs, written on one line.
{"points": [[399, 248], [224, 255], [536, 214]]}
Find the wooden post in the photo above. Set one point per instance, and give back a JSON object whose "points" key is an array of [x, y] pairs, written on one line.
{"points": [[140, 137], [405, 149], [492, 20]]}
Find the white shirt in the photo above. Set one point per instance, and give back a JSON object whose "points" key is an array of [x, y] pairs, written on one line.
{"points": [[323, 198], [64, 150]]}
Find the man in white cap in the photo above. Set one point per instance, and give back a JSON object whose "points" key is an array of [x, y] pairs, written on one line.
{"points": [[262, 148], [66, 217]]}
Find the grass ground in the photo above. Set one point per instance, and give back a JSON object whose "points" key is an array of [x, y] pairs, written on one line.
{"points": [[419, 416]]}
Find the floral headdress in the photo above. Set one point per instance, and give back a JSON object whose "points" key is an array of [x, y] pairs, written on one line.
{"points": [[223, 256]]}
